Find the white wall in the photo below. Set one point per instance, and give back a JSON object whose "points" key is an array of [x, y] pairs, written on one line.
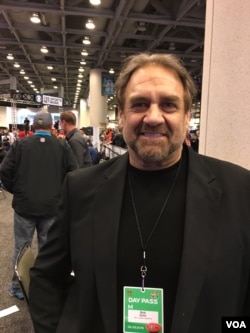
{"points": [[225, 106]]}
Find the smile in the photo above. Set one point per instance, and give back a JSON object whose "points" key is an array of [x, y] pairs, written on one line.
{"points": [[152, 135]]}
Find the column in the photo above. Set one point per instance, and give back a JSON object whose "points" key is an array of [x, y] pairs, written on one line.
{"points": [[225, 109], [97, 103]]}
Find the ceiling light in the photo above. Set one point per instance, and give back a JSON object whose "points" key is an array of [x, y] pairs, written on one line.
{"points": [[111, 71], [10, 56], [84, 53], [141, 26], [26, 77], [16, 64], [44, 49], [30, 82], [81, 69], [86, 40], [35, 18], [90, 24], [53, 79], [80, 75], [55, 87], [171, 47], [95, 2], [22, 72], [50, 67], [83, 62]]}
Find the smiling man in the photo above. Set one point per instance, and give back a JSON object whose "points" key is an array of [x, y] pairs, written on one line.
{"points": [[171, 251]]}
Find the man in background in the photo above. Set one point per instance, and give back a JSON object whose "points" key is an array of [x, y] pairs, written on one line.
{"points": [[33, 171], [75, 139]]}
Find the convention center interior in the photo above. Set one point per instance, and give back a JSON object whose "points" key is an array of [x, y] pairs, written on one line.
{"points": [[65, 55]]}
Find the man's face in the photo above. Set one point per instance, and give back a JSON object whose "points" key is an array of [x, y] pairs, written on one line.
{"points": [[154, 121]]}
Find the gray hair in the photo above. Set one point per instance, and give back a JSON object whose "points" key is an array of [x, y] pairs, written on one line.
{"points": [[134, 62]]}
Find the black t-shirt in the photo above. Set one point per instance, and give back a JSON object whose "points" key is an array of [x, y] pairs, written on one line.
{"points": [[164, 249]]}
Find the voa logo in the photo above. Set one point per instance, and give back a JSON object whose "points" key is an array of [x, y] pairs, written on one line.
{"points": [[235, 324]]}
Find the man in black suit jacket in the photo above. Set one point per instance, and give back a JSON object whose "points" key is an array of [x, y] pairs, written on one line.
{"points": [[160, 218]]}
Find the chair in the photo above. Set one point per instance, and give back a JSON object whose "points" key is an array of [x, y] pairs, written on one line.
{"points": [[25, 260]]}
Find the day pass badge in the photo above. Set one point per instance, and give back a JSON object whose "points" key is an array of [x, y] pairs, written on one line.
{"points": [[142, 310]]}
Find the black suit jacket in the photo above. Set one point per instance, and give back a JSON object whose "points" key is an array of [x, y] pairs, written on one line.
{"points": [[214, 273]]}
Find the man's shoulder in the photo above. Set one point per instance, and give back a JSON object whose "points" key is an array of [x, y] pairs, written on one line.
{"points": [[223, 167]]}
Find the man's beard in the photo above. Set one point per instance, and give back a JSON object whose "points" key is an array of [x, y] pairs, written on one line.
{"points": [[154, 150]]}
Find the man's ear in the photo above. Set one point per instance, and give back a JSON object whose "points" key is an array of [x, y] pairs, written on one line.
{"points": [[120, 119], [188, 117]]}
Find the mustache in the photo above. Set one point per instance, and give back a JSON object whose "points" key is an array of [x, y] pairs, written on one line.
{"points": [[154, 130]]}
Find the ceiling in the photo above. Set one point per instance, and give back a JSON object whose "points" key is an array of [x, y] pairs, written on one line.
{"points": [[172, 26]]}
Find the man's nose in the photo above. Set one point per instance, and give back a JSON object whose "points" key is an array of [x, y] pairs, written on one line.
{"points": [[154, 115]]}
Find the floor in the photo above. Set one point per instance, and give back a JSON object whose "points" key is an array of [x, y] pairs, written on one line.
{"points": [[18, 322]]}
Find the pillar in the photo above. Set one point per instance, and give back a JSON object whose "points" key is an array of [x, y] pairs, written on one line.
{"points": [[97, 103], [225, 115]]}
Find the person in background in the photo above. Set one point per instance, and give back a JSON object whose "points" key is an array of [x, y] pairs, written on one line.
{"points": [[2, 152], [118, 139], [173, 243], [26, 124], [94, 154], [75, 139], [33, 171], [83, 134]]}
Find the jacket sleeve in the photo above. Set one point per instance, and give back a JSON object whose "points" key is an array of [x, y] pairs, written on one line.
{"points": [[71, 161], [7, 168]]}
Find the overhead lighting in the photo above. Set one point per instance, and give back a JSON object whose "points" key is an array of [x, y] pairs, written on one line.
{"points": [[10, 56], [80, 69], [22, 72], [35, 18], [171, 47], [111, 71], [86, 40], [90, 24], [50, 67], [55, 87], [95, 2], [30, 82], [44, 49], [83, 62], [26, 77], [16, 64], [80, 75], [84, 53], [53, 79], [141, 26]]}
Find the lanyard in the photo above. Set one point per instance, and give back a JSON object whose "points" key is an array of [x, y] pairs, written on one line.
{"points": [[144, 268]]}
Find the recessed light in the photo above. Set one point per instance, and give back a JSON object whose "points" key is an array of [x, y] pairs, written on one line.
{"points": [[84, 53], [86, 40], [10, 56], [95, 2], [44, 49], [90, 24], [35, 18]]}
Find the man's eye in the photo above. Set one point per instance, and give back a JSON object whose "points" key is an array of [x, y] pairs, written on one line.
{"points": [[168, 106], [139, 107]]}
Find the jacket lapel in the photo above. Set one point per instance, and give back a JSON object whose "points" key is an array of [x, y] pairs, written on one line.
{"points": [[203, 202], [108, 202]]}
